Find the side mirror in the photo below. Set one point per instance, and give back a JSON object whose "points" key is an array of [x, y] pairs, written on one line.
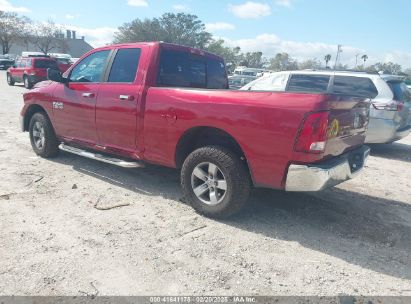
{"points": [[55, 75]]}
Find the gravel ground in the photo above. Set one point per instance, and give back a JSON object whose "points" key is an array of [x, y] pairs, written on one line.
{"points": [[352, 239]]}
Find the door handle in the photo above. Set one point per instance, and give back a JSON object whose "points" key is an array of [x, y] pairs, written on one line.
{"points": [[126, 97], [88, 95]]}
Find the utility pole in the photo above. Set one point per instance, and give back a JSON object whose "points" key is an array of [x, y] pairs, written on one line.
{"points": [[339, 50], [356, 60]]}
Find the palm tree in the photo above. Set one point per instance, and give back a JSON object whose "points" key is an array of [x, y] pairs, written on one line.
{"points": [[364, 58], [327, 59]]}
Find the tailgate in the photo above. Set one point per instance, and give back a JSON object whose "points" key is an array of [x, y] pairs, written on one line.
{"points": [[347, 123]]}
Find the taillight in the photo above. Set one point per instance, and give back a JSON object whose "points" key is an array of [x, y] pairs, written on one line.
{"points": [[313, 133], [393, 106]]}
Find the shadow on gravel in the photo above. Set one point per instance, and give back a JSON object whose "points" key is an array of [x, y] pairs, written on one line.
{"points": [[397, 151], [367, 231]]}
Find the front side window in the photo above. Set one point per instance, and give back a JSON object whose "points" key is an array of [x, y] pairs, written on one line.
{"points": [[182, 69], [357, 86], [125, 65], [309, 83], [91, 68]]}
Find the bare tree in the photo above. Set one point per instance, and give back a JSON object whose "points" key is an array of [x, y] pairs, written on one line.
{"points": [[47, 37], [12, 29]]}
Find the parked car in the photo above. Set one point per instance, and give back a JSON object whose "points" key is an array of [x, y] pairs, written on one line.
{"points": [[30, 70], [238, 81], [63, 63], [170, 105], [5, 62], [245, 71], [390, 114]]}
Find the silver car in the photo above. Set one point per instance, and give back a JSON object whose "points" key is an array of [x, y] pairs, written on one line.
{"points": [[390, 113]]}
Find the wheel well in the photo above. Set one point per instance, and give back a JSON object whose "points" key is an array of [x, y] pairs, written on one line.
{"points": [[205, 136], [33, 109]]}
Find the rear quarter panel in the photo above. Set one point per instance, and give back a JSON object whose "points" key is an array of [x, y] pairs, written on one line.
{"points": [[264, 124]]}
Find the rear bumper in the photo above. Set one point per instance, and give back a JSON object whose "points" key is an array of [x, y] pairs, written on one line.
{"points": [[326, 174], [381, 131]]}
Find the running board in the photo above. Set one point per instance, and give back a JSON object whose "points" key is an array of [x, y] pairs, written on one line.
{"points": [[99, 157]]}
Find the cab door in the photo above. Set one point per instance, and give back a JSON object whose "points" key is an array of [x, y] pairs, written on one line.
{"points": [[74, 102], [118, 101]]}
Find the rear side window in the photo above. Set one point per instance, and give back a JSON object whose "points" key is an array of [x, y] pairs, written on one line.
{"points": [[357, 86], [216, 75], [125, 65], [308, 83], [400, 90], [45, 64], [198, 70], [181, 69]]}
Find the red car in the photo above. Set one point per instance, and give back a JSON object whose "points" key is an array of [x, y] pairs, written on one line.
{"points": [[63, 63], [170, 105], [30, 70]]}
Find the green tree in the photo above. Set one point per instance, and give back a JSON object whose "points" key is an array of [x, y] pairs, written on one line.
{"points": [[140, 30], [181, 28], [253, 59], [327, 59], [283, 62], [386, 68], [312, 64], [232, 56], [12, 29]]}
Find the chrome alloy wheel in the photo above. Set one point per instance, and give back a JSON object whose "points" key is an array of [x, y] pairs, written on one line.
{"points": [[38, 135], [208, 183]]}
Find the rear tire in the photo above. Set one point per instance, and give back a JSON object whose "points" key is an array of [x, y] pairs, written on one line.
{"points": [[42, 137], [10, 80], [215, 181], [27, 83]]}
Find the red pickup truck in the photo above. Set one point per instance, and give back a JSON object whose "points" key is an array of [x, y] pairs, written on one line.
{"points": [[170, 105]]}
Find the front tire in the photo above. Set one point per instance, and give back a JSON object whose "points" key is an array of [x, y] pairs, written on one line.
{"points": [[27, 83], [42, 137], [10, 80], [215, 181]]}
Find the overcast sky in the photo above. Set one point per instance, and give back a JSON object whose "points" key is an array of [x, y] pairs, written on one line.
{"points": [[304, 28]]}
